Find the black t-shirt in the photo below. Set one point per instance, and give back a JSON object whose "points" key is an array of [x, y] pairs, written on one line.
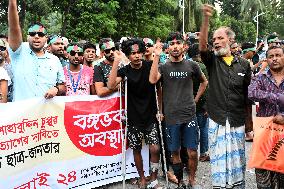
{"points": [[101, 72], [178, 99], [141, 98]]}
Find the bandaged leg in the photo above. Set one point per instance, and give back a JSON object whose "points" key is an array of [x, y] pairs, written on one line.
{"points": [[154, 167]]}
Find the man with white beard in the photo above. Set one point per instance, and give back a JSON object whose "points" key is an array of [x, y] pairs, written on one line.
{"points": [[229, 78]]}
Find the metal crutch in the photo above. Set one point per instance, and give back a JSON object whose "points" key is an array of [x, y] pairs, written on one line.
{"points": [[124, 138], [161, 136]]}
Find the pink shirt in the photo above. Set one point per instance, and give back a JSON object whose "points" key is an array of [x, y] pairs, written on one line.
{"points": [[78, 85]]}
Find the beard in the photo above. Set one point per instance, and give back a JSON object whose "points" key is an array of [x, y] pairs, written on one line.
{"points": [[110, 58], [176, 54], [222, 51], [36, 49], [278, 68]]}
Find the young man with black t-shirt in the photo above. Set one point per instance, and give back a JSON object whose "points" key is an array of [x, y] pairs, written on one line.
{"points": [[141, 106], [102, 69], [179, 104]]}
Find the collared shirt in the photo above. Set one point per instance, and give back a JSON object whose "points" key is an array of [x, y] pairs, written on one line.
{"points": [[63, 62], [263, 89], [228, 88], [34, 75]]}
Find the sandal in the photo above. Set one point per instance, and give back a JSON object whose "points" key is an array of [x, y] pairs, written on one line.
{"points": [[134, 181], [154, 185]]}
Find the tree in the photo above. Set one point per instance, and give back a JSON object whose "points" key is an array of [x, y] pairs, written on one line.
{"points": [[245, 31], [231, 8], [249, 7]]}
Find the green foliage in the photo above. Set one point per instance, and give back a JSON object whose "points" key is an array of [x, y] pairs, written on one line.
{"points": [[160, 27], [39, 8], [88, 20], [232, 8], [245, 31], [94, 19]]}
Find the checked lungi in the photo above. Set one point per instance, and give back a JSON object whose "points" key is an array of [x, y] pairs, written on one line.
{"points": [[227, 155]]}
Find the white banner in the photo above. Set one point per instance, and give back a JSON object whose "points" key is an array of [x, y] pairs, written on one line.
{"points": [[66, 142]]}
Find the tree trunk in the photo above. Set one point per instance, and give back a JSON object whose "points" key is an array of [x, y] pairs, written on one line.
{"points": [[65, 17], [22, 13]]}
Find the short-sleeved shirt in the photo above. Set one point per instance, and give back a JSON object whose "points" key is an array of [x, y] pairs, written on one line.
{"points": [[101, 72], [63, 62], [4, 75], [178, 99], [33, 75], [84, 81], [141, 98]]}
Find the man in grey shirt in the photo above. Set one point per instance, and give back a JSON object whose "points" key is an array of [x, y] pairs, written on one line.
{"points": [[179, 104]]}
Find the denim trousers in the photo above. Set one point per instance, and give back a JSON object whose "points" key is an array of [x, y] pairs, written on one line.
{"points": [[202, 121]]}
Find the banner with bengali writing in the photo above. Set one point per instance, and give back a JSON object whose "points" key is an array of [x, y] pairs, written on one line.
{"points": [[65, 142]]}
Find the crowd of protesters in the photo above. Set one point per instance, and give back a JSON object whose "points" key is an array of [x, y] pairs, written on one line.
{"points": [[206, 92]]}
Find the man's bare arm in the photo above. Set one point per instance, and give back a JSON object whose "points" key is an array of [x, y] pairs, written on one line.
{"points": [[154, 72], [113, 80], [203, 36], [201, 89], [15, 33], [102, 90]]}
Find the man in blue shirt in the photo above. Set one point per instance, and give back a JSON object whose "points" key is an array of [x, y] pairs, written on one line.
{"points": [[36, 73]]}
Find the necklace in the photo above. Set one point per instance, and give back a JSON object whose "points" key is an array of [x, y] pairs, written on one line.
{"points": [[74, 86]]}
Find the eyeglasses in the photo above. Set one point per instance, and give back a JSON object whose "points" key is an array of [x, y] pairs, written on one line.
{"points": [[2, 48], [107, 51], [40, 34], [149, 45], [73, 53]]}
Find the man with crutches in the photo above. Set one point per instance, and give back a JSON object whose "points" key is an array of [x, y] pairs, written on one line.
{"points": [[141, 106], [179, 104]]}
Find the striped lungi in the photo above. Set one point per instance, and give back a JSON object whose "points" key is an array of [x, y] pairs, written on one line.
{"points": [[227, 155]]}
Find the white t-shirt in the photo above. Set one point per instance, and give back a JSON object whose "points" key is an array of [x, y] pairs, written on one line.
{"points": [[4, 75]]}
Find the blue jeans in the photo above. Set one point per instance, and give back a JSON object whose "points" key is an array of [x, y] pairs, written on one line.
{"points": [[202, 121]]}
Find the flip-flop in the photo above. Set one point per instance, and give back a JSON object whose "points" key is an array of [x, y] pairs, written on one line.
{"points": [[172, 178], [133, 181]]}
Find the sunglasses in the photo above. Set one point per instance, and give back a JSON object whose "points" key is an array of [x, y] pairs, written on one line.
{"points": [[276, 43], [40, 34], [2, 48], [73, 53], [149, 45], [107, 51]]}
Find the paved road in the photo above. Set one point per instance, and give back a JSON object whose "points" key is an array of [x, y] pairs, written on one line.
{"points": [[203, 177]]}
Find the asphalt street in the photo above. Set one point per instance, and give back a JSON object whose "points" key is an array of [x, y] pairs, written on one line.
{"points": [[203, 177]]}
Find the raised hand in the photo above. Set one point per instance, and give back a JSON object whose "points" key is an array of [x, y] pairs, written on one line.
{"points": [[117, 57], [207, 10], [279, 119], [158, 47]]}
